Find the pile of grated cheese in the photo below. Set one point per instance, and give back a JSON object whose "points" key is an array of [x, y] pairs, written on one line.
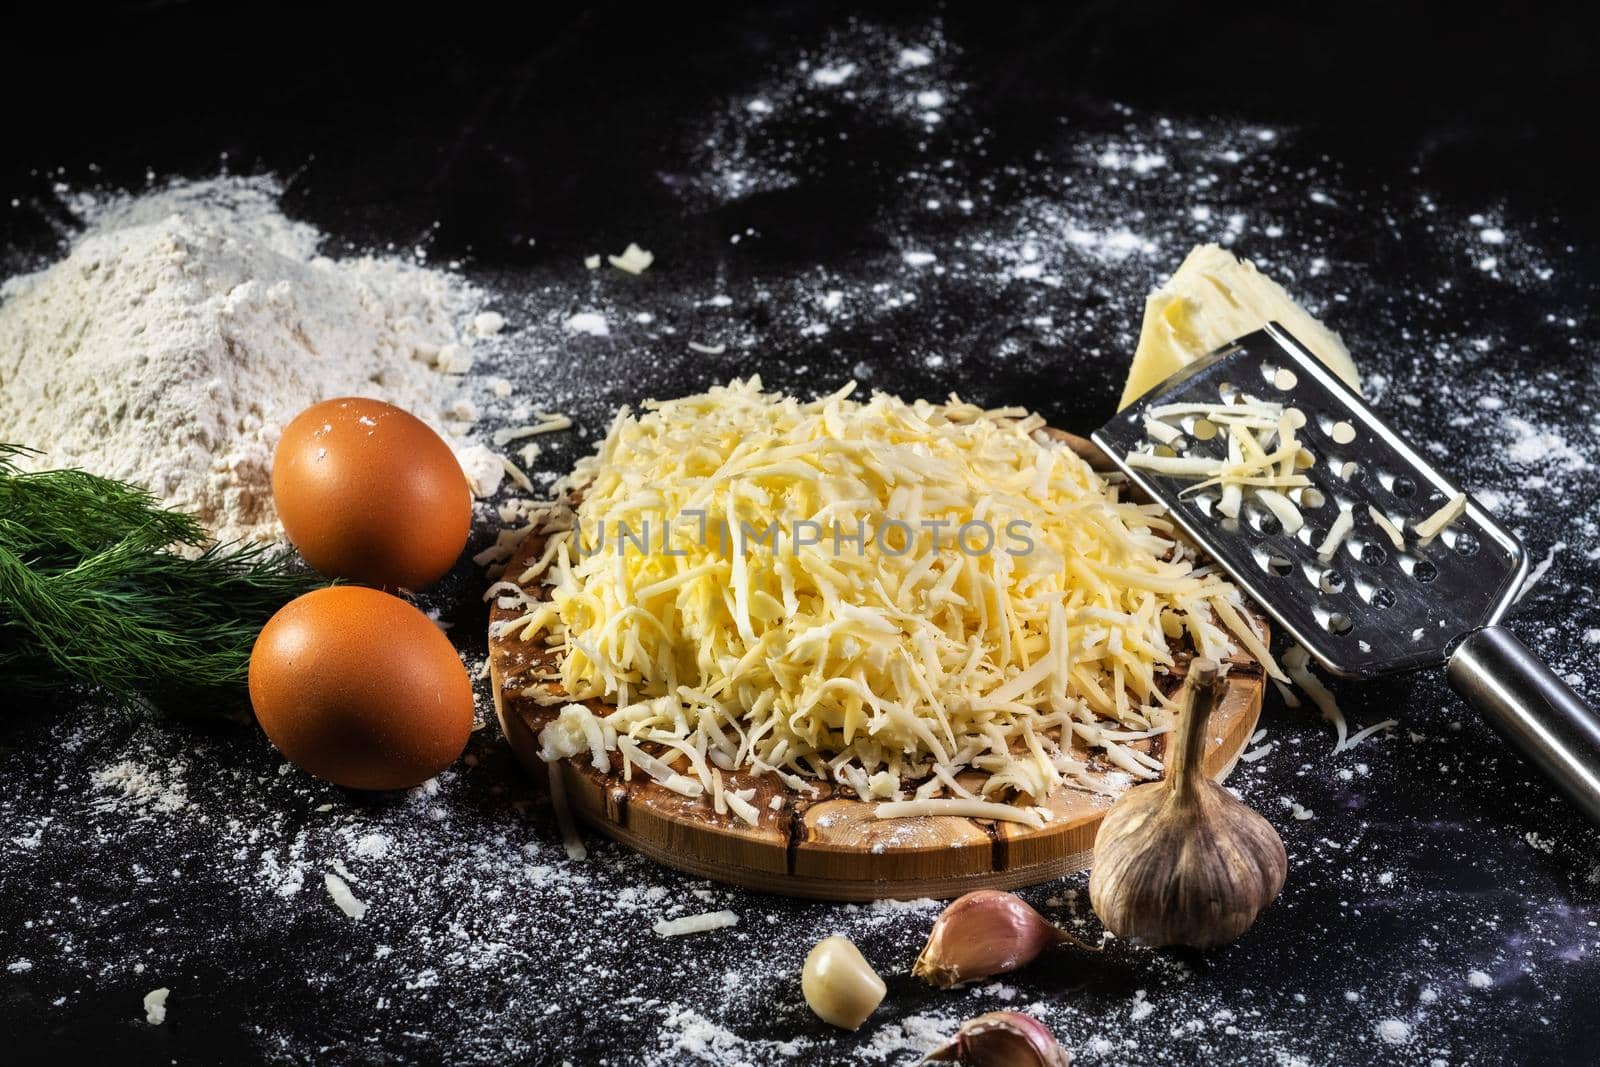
{"points": [[875, 648]]}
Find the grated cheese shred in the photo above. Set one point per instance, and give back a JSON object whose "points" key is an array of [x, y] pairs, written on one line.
{"points": [[633, 260], [1259, 457], [1434, 524], [696, 924], [1389, 528], [1297, 661], [881, 594]]}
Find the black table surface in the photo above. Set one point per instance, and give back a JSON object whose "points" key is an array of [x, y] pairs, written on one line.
{"points": [[1419, 178]]}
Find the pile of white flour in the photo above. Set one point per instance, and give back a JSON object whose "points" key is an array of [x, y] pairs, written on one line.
{"points": [[186, 326]]}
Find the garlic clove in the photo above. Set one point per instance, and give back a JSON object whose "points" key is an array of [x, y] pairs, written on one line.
{"points": [[839, 984], [984, 933], [1182, 861], [1003, 1039]]}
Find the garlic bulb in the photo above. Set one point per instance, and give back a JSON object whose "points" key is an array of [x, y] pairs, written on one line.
{"points": [[983, 933], [1180, 861], [839, 984], [1003, 1039]]}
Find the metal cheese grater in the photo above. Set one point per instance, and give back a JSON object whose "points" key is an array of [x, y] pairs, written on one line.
{"points": [[1372, 608]]}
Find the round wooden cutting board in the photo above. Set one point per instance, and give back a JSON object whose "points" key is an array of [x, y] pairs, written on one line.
{"points": [[831, 847]]}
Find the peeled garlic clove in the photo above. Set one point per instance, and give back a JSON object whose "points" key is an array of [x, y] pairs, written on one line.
{"points": [[984, 933], [839, 984], [1003, 1039], [1181, 861]]}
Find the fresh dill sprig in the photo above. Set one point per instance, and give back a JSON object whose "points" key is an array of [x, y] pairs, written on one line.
{"points": [[92, 591]]}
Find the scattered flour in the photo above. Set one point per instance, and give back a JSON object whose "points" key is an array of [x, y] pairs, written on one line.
{"points": [[1394, 1031], [1039, 272], [131, 786], [373, 846], [1533, 446]]}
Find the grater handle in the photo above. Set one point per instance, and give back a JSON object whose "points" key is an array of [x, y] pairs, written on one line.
{"points": [[1533, 709]]}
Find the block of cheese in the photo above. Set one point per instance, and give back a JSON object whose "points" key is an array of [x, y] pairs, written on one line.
{"points": [[1213, 298]]}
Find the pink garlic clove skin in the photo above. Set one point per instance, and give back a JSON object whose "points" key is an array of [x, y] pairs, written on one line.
{"points": [[1003, 1039], [984, 933]]}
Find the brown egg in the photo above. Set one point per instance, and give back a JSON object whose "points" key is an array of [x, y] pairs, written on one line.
{"points": [[359, 687], [368, 492]]}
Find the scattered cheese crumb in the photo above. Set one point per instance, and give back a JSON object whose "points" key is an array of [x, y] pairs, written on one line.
{"points": [[972, 809], [339, 890], [1430, 527], [634, 260], [1361, 735], [590, 322], [516, 475], [592, 262], [695, 924], [1389, 529], [1297, 661], [546, 424], [1539, 571], [155, 1006], [1336, 534]]}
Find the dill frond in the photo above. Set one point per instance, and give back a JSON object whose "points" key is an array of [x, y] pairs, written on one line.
{"points": [[92, 591]]}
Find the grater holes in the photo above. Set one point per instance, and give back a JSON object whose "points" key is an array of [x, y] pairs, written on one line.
{"points": [[1330, 581], [1274, 564], [1262, 521], [1466, 543], [1339, 624], [1382, 598], [1373, 554], [1206, 501], [1403, 487], [1424, 571]]}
